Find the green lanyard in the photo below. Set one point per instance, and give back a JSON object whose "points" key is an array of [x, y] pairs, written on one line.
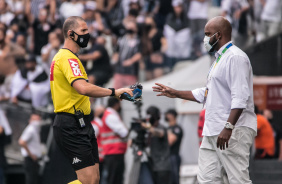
{"points": [[206, 91], [224, 50]]}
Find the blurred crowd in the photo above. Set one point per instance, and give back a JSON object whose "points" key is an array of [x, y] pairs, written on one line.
{"points": [[131, 40]]}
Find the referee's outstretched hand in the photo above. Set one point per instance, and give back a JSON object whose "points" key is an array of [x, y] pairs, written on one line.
{"points": [[164, 90], [123, 90]]}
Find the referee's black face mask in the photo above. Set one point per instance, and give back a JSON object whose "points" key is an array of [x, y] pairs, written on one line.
{"points": [[82, 40]]}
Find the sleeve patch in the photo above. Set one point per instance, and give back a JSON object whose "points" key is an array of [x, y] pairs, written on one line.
{"points": [[75, 67]]}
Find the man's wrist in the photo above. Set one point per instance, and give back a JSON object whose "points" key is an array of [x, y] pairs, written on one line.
{"points": [[229, 126], [113, 91]]}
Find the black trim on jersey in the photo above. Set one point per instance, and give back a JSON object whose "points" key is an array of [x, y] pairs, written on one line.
{"points": [[78, 79], [24, 73], [41, 77], [70, 51]]}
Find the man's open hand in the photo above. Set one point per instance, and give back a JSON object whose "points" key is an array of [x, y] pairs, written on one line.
{"points": [[164, 90], [223, 138]]}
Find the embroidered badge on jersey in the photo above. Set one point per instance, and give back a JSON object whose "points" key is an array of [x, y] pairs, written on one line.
{"points": [[75, 67]]}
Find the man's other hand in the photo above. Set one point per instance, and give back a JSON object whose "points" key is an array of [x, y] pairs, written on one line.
{"points": [[164, 90], [33, 157], [123, 90], [223, 138]]}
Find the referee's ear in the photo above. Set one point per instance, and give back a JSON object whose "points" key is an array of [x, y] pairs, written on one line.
{"points": [[71, 34]]}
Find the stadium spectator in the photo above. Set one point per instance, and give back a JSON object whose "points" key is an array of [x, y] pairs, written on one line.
{"points": [[41, 29], [178, 35], [21, 41], [161, 10], [9, 51], [20, 19], [236, 12], [71, 8], [31, 83], [93, 19], [264, 141], [31, 149], [135, 7], [97, 64], [113, 133], [5, 15], [271, 17], [114, 16], [198, 15], [33, 7], [126, 57], [153, 43], [132, 16], [174, 136], [49, 51]]}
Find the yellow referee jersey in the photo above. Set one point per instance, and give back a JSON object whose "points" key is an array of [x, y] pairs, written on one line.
{"points": [[65, 69]]}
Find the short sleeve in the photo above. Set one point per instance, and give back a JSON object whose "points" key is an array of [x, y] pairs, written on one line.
{"points": [[45, 49], [27, 134], [199, 94], [177, 131], [72, 69]]}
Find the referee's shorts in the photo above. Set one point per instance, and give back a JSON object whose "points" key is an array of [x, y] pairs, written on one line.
{"points": [[78, 144]]}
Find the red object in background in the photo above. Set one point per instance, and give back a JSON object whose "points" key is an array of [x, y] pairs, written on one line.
{"points": [[201, 125], [268, 96], [98, 137], [274, 97]]}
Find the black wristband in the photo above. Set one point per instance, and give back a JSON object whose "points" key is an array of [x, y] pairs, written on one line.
{"points": [[113, 91]]}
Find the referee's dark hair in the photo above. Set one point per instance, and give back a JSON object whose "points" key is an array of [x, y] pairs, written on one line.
{"points": [[171, 111], [71, 23], [112, 101]]}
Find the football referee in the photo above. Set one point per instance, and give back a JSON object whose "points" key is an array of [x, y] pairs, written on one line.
{"points": [[70, 90]]}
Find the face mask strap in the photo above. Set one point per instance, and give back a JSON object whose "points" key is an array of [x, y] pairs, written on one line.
{"points": [[216, 40], [215, 43], [214, 34]]}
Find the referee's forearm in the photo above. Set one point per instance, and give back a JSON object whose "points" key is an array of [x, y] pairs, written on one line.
{"points": [[87, 89], [96, 91]]}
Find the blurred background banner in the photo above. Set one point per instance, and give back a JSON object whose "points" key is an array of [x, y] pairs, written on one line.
{"points": [[268, 92]]}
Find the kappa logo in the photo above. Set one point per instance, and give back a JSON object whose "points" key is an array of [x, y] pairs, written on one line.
{"points": [[75, 67], [75, 160]]}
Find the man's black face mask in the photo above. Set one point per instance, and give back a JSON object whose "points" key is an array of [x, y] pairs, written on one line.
{"points": [[82, 40]]}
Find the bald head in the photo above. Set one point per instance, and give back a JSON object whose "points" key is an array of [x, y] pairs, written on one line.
{"points": [[220, 24], [71, 23]]}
